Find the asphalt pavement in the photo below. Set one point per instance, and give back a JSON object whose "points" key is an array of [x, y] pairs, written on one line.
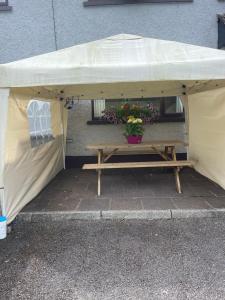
{"points": [[106, 259]]}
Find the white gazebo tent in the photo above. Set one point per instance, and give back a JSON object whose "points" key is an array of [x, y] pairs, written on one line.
{"points": [[116, 67]]}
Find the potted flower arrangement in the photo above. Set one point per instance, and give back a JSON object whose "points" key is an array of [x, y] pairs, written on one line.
{"points": [[134, 130], [135, 116]]}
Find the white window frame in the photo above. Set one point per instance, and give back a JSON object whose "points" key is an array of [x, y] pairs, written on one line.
{"points": [[39, 119]]}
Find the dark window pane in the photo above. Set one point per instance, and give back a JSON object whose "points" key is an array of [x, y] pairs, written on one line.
{"points": [[142, 102], [221, 31], [173, 105], [4, 5], [169, 108]]}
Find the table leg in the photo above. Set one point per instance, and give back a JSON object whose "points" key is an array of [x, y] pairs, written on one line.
{"points": [[176, 171], [166, 151]]}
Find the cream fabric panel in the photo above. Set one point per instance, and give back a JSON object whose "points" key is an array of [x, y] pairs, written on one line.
{"points": [[2, 202], [4, 94], [28, 170], [207, 133], [120, 58]]}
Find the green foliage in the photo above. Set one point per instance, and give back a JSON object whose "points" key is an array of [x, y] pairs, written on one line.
{"points": [[134, 129], [119, 114], [123, 111], [134, 126]]}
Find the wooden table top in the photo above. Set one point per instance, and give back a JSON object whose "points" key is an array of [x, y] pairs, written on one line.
{"points": [[142, 146]]}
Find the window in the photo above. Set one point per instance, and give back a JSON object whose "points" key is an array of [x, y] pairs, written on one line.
{"points": [[221, 31], [39, 118], [119, 2], [4, 5], [170, 109]]}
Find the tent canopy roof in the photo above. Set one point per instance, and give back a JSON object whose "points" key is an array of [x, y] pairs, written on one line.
{"points": [[124, 59]]}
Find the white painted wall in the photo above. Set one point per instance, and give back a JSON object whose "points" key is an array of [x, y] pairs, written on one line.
{"points": [[83, 134]]}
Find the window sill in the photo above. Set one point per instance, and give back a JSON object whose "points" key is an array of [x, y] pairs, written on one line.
{"points": [[5, 8], [98, 122], [169, 120], [161, 120], [120, 2]]}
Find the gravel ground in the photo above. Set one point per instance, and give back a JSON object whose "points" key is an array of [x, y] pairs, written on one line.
{"points": [[163, 259]]}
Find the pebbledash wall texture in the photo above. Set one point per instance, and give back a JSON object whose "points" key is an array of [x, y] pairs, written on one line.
{"points": [[34, 27]]}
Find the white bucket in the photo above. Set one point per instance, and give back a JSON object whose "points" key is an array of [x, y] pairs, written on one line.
{"points": [[3, 227]]}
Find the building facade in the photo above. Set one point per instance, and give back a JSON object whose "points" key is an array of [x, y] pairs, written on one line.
{"points": [[32, 27]]}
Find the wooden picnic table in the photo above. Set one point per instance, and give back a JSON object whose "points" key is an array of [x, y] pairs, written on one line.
{"points": [[166, 149]]}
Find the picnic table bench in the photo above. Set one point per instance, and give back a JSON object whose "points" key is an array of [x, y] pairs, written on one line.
{"points": [[166, 150]]}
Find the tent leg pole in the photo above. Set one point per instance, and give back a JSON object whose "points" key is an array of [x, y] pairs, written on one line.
{"points": [[185, 102], [177, 179], [176, 171], [99, 182], [100, 154]]}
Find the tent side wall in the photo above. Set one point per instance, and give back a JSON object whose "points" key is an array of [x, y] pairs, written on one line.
{"points": [[207, 132], [4, 94], [28, 169]]}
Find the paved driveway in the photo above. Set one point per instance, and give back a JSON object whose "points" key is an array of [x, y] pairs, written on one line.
{"points": [[129, 190], [167, 259]]}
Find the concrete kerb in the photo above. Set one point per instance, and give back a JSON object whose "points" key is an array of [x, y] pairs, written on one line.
{"points": [[197, 213], [58, 216], [120, 214]]}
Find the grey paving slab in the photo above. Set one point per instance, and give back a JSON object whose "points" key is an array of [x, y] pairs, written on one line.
{"points": [[157, 203], [191, 203], [125, 204], [38, 204], [94, 204], [217, 190], [216, 202], [136, 214], [115, 185], [156, 185], [197, 189], [69, 203], [126, 190], [55, 200]]}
